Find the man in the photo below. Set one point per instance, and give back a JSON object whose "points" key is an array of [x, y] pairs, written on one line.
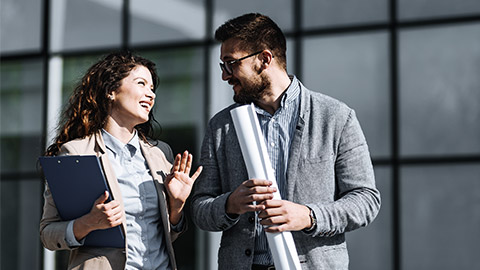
{"points": [[316, 147]]}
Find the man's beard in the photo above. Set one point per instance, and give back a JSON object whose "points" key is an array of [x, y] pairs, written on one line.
{"points": [[252, 91]]}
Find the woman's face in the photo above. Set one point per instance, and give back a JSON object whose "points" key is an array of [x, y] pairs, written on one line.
{"points": [[134, 99]]}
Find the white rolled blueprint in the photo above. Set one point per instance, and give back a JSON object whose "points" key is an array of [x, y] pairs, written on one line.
{"points": [[258, 164]]}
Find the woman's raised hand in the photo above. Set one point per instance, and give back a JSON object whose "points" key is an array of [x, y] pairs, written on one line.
{"points": [[179, 184]]}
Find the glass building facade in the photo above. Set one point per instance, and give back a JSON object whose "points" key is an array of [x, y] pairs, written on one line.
{"points": [[410, 69]]}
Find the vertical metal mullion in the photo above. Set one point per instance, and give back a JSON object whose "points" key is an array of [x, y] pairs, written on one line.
{"points": [[207, 44], [297, 28], [45, 61], [47, 260], [204, 238], [395, 116], [125, 24]]}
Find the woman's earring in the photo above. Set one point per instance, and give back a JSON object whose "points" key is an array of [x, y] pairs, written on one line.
{"points": [[110, 97]]}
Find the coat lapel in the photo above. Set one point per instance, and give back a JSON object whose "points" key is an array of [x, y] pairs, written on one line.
{"points": [[297, 142], [110, 175], [159, 168]]}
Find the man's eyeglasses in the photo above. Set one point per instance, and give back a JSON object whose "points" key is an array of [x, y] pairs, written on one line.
{"points": [[227, 66]]}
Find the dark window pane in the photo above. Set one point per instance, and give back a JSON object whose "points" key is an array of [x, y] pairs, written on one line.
{"points": [[371, 247], [74, 68], [21, 204], [179, 96], [322, 13], [354, 69], [440, 217], [21, 115], [160, 21], [423, 9], [221, 93], [179, 110], [20, 25], [85, 24], [439, 90], [279, 11]]}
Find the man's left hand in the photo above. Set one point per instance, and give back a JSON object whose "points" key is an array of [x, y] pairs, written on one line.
{"points": [[281, 215]]}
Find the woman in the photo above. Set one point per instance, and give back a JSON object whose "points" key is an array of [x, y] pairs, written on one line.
{"points": [[110, 116]]}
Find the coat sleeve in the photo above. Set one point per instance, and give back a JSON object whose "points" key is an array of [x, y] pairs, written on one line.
{"points": [[208, 196], [52, 228], [358, 200], [167, 151]]}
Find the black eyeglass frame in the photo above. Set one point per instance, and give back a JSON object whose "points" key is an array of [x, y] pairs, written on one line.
{"points": [[227, 66]]}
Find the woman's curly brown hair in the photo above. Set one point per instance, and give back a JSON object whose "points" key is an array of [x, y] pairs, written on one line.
{"points": [[89, 105]]}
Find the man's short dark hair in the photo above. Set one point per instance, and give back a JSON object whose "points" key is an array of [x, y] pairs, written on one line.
{"points": [[256, 32]]}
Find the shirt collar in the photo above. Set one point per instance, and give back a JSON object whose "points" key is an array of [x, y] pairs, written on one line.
{"points": [[289, 96], [116, 146], [292, 91]]}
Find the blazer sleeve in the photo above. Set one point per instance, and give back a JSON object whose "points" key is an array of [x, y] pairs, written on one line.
{"points": [[167, 150], [208, 195], [358, 200], [52, 228]]}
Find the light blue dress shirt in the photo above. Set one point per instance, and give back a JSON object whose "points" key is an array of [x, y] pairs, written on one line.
{"points": [[278, 130]]}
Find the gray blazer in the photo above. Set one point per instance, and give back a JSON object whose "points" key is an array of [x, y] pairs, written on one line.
{"points": [[329, 170]]}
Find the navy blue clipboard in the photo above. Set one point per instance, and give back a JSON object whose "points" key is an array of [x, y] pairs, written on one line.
{"points": [[75, 183]]}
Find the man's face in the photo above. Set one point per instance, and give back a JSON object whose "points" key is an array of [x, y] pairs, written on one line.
{"points": [[246, 76]]}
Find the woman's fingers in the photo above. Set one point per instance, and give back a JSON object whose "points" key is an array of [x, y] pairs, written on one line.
{"points": [[183, 163], [197, 173], [176, 163], [189, 164]]}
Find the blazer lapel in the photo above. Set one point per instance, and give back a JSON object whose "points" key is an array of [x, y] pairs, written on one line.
{"points": [[159, 168], [297, 142], [110, 175]]}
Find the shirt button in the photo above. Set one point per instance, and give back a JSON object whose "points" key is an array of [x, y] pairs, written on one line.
{"points": [[248, 252], [272, 144], [141, 217], [251, 219]]}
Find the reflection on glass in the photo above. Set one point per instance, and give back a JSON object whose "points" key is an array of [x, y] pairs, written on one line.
{"points": [[440, 217], [20, 200], [321, 13], [20, 25], [439, 97], [355, 70], [85, 24], [21, 115], [166, 20], [423, 9], [371, 247], [280, 11]]}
